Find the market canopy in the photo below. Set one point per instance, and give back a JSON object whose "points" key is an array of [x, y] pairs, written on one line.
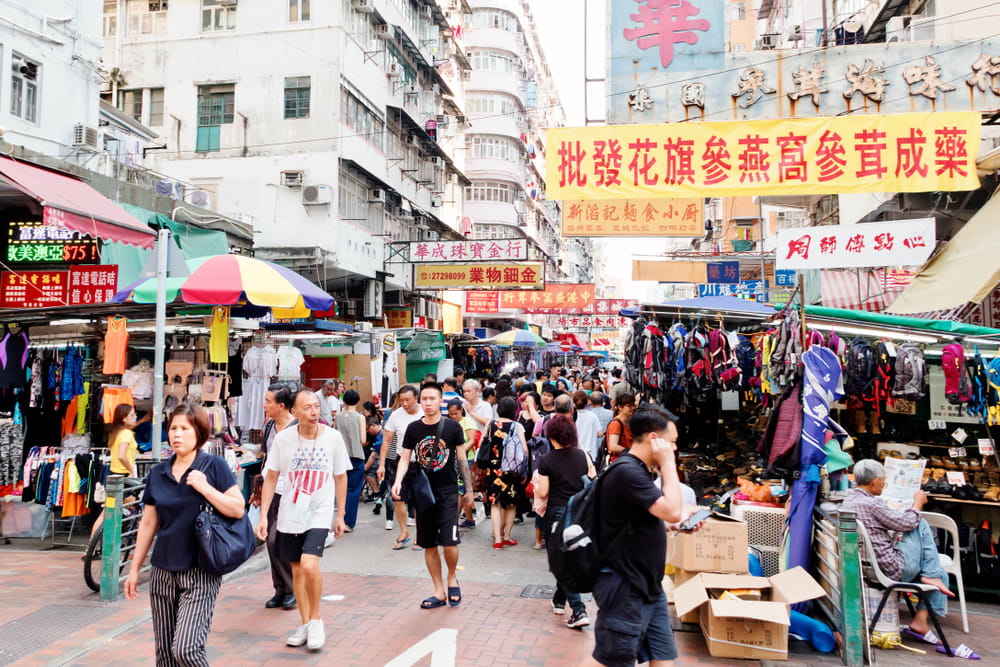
{"points": [[726, 306], [941, 326], [965, 270], [69, 202]]}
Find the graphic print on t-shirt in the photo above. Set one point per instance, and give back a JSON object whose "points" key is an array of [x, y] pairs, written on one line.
{"points": [[432, 453], [309, 470]]}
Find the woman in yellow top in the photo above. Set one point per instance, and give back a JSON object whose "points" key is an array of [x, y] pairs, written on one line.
{"points": [[123, 448]]}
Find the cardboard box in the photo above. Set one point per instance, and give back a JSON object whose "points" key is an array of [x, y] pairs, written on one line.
{"points": [[678, 578], [745, 629], [719, 545]]}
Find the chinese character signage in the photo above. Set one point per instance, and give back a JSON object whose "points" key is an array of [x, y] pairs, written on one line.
{"points": [[664, 35], [917, 152], [33, 289], [784, 278], [555, 298], [902, 243], [92, 284], [754, 290], [482, 302], [589, 322], [634, 217], [398, 318], [529, 275], [723, 272], [838, 80], [469, 251], [36, 243]]}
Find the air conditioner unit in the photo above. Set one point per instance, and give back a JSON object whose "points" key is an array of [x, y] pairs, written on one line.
{"points": [[313, 195], [795, 33], [895, 30], [426, 11], [84, 136], [385, 30], [435, 202], [228, 4], [414, 140], [467, 75], [376, 196], [411, 89], [768, 42], [419, 308], [293, 178], [453, 178], [374, 299], [442, 119], [434, 310], [363, 327], [366, 6], [395, 69], [438, 162]]}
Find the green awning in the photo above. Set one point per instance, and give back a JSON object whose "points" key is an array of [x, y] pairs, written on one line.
{"points": [[941, 326], [193, 241]]}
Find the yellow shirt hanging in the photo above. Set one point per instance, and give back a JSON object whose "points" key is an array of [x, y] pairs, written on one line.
{"points": [[218, 352]]}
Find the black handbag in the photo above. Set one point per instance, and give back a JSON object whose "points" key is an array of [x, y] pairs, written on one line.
{"points": [[485, 449], [223, 543], [420, 487]]}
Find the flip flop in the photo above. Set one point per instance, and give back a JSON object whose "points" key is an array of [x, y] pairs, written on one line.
{"points": [[399, 545], [454, 592], [417, 547], [929, 638], [432, 603], [962, 651]]}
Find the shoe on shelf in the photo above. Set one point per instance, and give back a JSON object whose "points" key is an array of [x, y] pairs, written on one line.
{"points": [[316, 634], [300, 637], [577, 620], [275, 602], [288, 602], [558, 609]]}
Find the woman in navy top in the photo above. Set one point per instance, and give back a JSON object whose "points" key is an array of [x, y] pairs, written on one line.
{"points": [[181, 594]]}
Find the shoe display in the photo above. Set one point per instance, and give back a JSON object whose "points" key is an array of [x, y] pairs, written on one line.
{"points": [[300, 637], [316, 634], [577, 620]]}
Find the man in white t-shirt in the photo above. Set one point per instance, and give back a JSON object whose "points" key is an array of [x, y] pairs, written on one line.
{"points": [[480, 411], [311, 460], [329, 402], [392, 439]]}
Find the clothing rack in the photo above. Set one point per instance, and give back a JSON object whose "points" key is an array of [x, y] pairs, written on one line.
{"points": [[63, 454]]}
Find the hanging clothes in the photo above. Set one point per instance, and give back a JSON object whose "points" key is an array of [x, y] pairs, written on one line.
{"points": [[218, 348], [82, 406], [290, 362], [13, 358], [115, 346], [260, 364], [35, 383], [11, 446], [72, 373], [113, 397], [235, 368]]}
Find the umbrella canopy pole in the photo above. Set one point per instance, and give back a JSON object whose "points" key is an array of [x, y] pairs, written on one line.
{"points": [[162, 244]]}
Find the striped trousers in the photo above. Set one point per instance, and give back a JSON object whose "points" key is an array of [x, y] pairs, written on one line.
{"points": [[182, 604]]}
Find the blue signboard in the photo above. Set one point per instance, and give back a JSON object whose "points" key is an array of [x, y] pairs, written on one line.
{"points": [[784, 278], [756, 290], [723, 272], [530, 95]]}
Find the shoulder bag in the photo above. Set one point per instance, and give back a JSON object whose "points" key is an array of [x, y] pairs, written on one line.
{"points": [[223, 543], [423, 493], [485, 447]]}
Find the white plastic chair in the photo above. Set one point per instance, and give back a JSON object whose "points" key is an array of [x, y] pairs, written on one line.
{"points": [[872, 572], [951, 564]]}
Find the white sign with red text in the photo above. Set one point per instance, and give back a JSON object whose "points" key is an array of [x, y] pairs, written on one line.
{"points": [[468, 251], [899, 243]]}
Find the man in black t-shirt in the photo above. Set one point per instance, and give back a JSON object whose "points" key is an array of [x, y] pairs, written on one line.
{"points": [[632, 621], [437, 527]]}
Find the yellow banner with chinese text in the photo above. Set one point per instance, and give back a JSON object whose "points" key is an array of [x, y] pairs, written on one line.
{"points": [[634, 217], [914, 152], [490, 276]]}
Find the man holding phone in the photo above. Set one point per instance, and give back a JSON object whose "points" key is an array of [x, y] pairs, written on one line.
{"points": [[628, 592]]}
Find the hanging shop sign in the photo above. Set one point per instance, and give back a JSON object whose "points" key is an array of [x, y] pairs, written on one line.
{"points": [[33, 289], [900, 243], [469, 251], [723, 272], [634, 217], [837, 80], [590, 321], [487, 276], [755, 290], [34, 242], [399, 319], [597, 307], [482, 302], [916, 152], [92, 284], [785, 278], [556, 298]]}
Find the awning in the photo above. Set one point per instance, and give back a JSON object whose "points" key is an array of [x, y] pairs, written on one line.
{"points": [[941, 326], [965, 270], [69, 202], [869, 290]]}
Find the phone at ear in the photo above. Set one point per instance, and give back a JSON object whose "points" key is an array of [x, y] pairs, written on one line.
{"points": [[692, 521]]}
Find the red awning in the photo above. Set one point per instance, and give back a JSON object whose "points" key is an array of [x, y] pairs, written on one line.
{"points": [[69, 202]]}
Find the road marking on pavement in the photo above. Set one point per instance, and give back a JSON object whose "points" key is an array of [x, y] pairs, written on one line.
{"points": [[333, 598], [441, 645]]}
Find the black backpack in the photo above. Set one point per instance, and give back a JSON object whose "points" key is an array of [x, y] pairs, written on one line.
{"points": [[576, 563], [746, 358], [911, 369], [860, 368]]}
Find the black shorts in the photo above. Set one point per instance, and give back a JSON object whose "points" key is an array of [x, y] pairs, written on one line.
{"points": [[630, 629], [438, 527], [290, 547]]}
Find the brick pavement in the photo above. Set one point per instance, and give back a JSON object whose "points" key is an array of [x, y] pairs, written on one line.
{"points": [[377, 619]]}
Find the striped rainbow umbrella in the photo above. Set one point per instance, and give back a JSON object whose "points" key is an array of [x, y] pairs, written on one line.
{"points": [[227, 280], [519, 338]]}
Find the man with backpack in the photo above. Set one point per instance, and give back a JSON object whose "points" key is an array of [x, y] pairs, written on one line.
{"points": [[632, 622]]}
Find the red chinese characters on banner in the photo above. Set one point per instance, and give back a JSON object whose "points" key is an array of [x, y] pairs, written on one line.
{"points": [[555, 298], [33, 289], [593, 322], [634, 217], [597, 307], [468, 251], [898, 243], [399, 318], [92, 284], [482, 302]]}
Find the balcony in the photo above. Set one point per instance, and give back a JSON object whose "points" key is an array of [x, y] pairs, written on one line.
{"points": [[504, 82], [495, 38], [494, 169]]}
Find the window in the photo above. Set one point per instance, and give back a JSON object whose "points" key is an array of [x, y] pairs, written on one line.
{"points": [[490, 191], [495, 61], [297, 97], [24, 88], [218, 15], [298, 10], [497, 19], [500, 148], [359, 117], [130, 102], [352, 201], [155, 107], [740, 11], [491, 104], [145, 17], [110, 18], [216, 105]]}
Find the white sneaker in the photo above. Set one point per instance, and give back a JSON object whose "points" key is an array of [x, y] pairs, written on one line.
{"points": [[330, 539], [388, 524], [300, 636], [317, 635], [410, 521]]}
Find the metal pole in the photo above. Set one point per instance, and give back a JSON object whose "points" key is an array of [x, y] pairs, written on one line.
{"points": [[802, 309], [162, 244], [852, 622], [112, 538]]}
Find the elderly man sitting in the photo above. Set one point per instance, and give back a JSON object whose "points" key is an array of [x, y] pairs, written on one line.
{"points": [[902, 541]]}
